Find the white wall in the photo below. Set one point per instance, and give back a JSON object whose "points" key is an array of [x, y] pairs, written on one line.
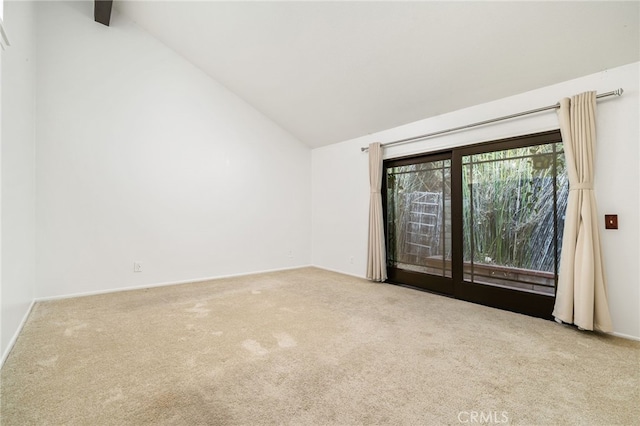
{"points": [[142, 157], [2, 347], [18, 169], [340, 185]]}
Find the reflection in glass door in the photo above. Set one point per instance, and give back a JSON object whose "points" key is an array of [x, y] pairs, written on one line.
{"points": [[511, 227], [418, 222]]}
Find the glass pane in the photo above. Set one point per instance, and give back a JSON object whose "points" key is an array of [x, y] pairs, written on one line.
{"points": [[510, 225], [419, 217]]}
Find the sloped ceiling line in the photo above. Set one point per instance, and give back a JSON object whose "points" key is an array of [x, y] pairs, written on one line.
{"points": [[332, 71]]}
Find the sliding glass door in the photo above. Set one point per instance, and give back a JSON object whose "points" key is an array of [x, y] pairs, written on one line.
{"points": [[510, 203], [482, 223], [418, 222]]}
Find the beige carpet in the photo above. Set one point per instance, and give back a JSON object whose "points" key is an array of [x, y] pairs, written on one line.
{"points": [[309, 347]]}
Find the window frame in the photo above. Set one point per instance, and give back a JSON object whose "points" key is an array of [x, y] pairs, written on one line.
{"points": [[534, 304]]}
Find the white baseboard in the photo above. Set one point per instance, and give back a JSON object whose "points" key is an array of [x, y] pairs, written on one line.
{"points": [[13, 340], [625, 336], [163, 284], [340, 272]]}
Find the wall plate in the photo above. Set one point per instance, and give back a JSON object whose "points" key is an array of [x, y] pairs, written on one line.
{"points": [[610, 221]]}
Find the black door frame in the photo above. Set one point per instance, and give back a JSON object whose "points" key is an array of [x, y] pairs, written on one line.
{"points": [[432, 283], [528, 303]]}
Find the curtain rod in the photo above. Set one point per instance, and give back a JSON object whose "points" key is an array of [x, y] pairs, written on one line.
{"points": [[481, 123]]}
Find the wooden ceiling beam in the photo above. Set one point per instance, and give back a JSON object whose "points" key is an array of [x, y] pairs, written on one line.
{"points": [[102, 11]]}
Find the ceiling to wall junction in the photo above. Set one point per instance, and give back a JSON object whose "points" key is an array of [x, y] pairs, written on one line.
{"points": [[331, 71]]}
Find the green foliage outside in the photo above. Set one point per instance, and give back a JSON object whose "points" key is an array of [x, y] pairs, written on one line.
{"points": [[508, 206]]}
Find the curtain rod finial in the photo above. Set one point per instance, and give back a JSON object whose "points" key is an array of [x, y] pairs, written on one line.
{"points": [[619, 92]]}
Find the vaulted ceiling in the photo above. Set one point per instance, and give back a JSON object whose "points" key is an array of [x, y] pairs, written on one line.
{"points": [[331, 71]]}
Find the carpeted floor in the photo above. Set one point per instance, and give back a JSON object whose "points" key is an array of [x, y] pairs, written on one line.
{"points": [[309, 347]]}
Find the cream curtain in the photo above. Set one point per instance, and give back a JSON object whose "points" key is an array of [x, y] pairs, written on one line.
{"points": [[376, 256], [581, 297], [4, 40]]}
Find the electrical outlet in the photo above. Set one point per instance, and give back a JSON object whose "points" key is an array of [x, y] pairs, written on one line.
{"points": [[137, 266]]}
